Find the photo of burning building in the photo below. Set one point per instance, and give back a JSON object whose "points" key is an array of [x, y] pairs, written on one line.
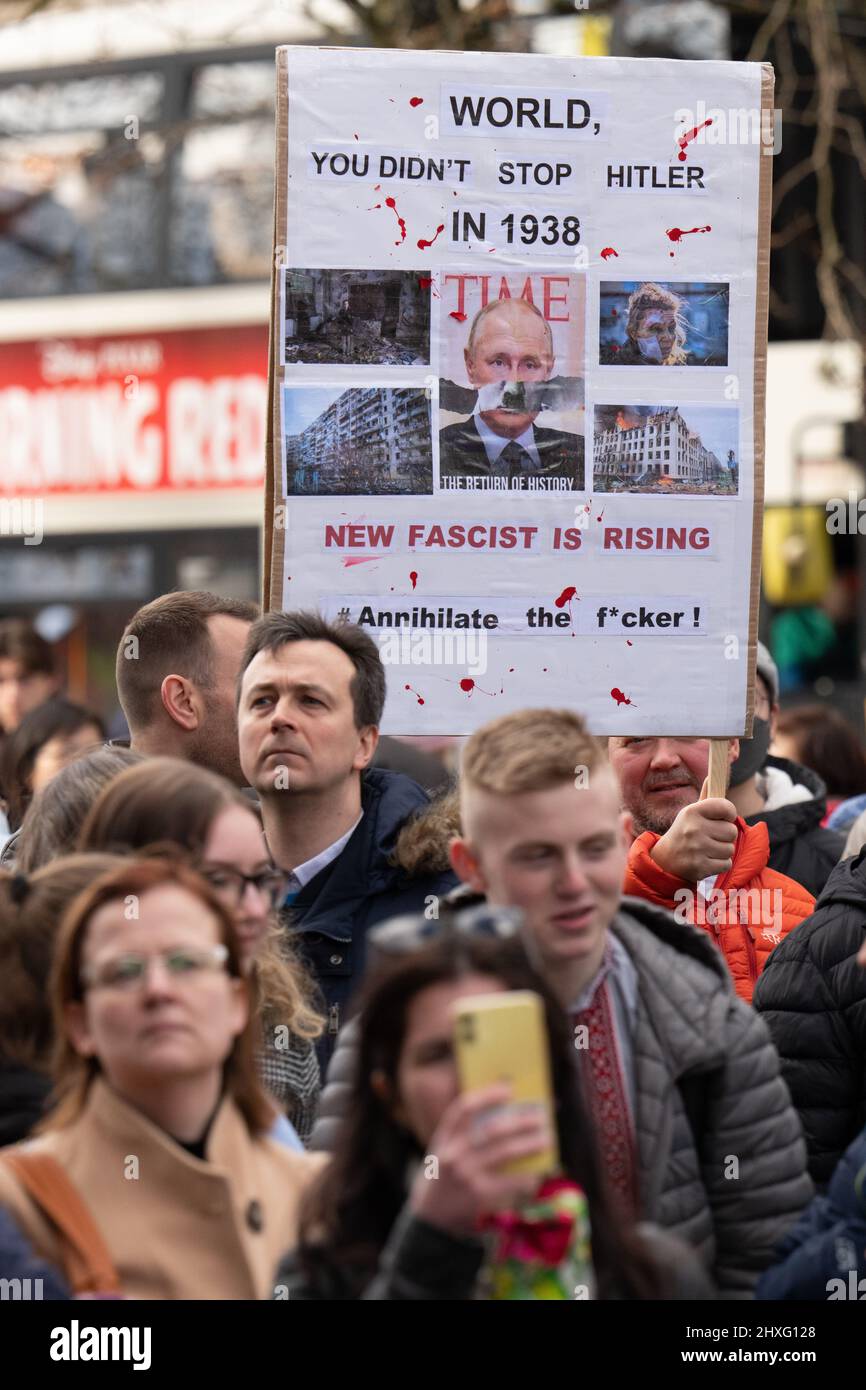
{"points": [[359, 440], [357, 317], [666, 449]]}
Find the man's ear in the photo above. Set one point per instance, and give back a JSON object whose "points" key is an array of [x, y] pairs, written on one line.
{"points": [[368, 740], [626, 822], [466, 865], [733, 750], [467, 359], [78, 1029], [181, 702]]}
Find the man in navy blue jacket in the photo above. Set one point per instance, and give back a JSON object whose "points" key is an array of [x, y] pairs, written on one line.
{"points": [[311, 695]]}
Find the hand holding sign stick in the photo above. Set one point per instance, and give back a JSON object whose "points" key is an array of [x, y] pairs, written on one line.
{"points": [[701, 841]]}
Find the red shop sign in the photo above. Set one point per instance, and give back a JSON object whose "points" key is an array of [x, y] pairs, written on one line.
{"points": [[142, 412]]}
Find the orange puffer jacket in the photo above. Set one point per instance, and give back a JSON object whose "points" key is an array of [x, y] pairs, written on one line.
{"points": [[750, 909]]}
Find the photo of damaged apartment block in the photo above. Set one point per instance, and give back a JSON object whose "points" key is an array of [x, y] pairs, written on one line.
{"points": [[356, 317]]}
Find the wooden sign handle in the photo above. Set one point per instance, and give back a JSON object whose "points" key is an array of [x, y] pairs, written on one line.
{"points": [[717, 771]]}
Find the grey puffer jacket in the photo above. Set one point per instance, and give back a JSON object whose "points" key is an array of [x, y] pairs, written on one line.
{"points": [[722, 1157]]}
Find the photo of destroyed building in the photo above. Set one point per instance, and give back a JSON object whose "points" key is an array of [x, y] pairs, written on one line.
{"points": [[357, 317], [362, 440], [656, 449]]}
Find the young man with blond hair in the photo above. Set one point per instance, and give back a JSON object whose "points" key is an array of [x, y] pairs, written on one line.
{"points": [[695, 1127]]}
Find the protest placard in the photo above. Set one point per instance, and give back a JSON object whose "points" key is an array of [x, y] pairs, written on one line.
{"points": [[518, 351]]}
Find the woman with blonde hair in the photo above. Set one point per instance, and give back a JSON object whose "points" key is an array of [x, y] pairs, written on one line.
{"points": [[168, 800], [655, 330], [153, 1176]]}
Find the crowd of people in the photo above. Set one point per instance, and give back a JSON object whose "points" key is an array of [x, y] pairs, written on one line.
{"points": [[232, 949]]}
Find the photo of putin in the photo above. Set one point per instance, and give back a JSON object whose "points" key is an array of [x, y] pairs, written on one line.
{"points": [[510, 363]]}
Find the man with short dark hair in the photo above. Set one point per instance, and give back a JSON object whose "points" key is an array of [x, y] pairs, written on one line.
{"points": [[177, 667], [311, 696]]}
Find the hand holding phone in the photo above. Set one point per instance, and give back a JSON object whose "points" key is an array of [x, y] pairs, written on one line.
{"points": [[477, 1145]]}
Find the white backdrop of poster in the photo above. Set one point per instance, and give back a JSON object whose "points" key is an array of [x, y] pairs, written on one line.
{"points": [[433, 207]]}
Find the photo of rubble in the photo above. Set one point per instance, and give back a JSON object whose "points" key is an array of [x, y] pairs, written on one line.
{"points": [[666, 449], [340, 441], [356, 317]]}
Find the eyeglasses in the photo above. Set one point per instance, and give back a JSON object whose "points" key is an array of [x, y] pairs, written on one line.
{"points": [[231, 884], [129, 971], [410, 932]]}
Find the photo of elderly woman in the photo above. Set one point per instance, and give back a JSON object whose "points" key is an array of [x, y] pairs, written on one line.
{"points": [[649, 324]]}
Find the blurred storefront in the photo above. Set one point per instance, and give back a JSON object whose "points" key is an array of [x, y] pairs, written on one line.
{"points": [[132, 463], [136, 221]]}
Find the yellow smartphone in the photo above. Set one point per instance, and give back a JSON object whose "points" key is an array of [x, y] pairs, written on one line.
{"points": [[503, 1038]]}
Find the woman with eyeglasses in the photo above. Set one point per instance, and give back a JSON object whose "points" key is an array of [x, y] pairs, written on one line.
{"points": [[166, 800], [416, 1204], [153, 1177]]}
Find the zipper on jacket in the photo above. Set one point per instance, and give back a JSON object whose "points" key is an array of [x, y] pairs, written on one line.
{"points": [[751, 953], [334, 1020]]}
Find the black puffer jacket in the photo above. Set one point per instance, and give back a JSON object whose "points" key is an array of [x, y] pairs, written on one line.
{"points": [[799, 845], [812, 995]]}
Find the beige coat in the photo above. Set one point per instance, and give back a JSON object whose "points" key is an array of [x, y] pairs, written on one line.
{"points": [[176, 1226]]}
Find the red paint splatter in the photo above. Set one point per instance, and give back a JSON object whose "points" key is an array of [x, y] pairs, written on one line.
{"points": [[377, 187], [348, 561], [357, 137], [598, 518], [677, 233], [425, 281], [390, 203], [544, 668], [565, 597], [491, 250], [683, 140], [608, 252], [469, 686], [413, 575], [461, 318], [620, 698], [614, 313], [419, 698], [423, 244], [510, 669], [376, 207], [628, 642], [415, 101], [613, 346]]}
